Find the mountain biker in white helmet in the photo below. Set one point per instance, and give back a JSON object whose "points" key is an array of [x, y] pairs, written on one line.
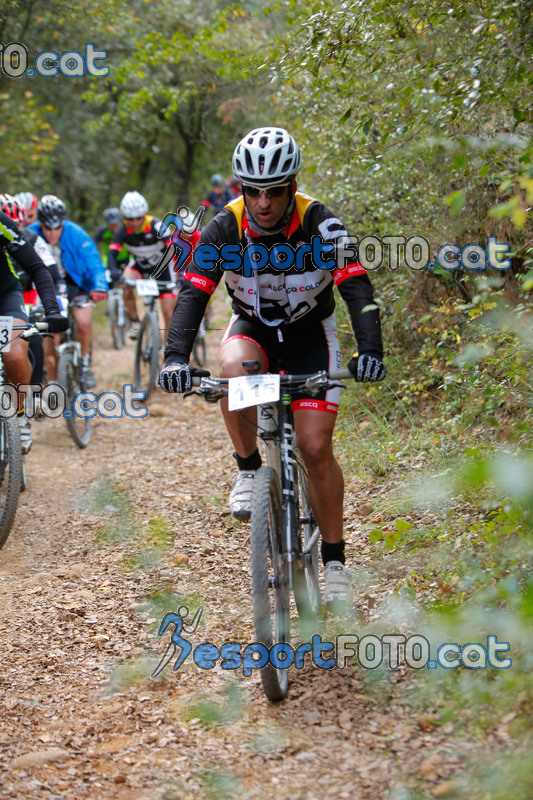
{"points": [[29, 201], [283, 318], [139, 234]]}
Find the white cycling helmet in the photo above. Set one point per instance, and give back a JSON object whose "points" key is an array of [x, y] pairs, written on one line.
{"points": [[267, 156], [133, 205], [28, 200]]}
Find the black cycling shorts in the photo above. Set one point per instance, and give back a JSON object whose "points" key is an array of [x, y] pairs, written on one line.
{"points": [[74, 291], [12, 305], [297, 349]]}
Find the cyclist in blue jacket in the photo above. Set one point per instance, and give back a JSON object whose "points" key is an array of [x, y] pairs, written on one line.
{"points": [[80, 267]]}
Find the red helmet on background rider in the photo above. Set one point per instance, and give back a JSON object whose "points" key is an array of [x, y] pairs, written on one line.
{"points": [[13, 208]]}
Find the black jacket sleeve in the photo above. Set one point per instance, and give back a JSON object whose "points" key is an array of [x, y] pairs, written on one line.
{"points": [[186, 318], [30, 262], [358, 295]]}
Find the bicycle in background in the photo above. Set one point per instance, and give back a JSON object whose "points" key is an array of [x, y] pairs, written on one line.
{"points": [[149, 341], [12, 469], [116, 311], [71, 376]]}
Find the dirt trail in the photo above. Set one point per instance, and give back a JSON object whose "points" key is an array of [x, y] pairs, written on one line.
{"points": [[106, 541]]}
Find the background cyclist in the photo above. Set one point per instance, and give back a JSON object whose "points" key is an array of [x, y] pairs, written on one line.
{"points": [[104, 236], [17, 212], [29, 201], [139, 234], [282, 317], [219, 195], [16, 362], [80, 267]]}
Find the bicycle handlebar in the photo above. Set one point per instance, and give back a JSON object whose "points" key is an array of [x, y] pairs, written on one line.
{"points": [[161, 285], [31, 329], [215, 388], [28, 330]]}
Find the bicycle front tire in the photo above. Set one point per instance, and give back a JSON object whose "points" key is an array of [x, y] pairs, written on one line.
{"points": [[147, 355], [305, 570], [270, 577], [10, 474], [80, 428]]}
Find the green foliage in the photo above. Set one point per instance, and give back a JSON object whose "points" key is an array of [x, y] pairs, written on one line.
{"points": [[410, 108], [216, 710]]}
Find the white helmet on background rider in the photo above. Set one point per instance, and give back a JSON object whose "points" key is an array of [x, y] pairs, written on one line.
{"points": [[133, 205], [28, 200], [267, 156]]}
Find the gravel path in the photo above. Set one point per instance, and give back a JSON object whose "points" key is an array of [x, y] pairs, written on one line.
{"points": [[106, 541]]}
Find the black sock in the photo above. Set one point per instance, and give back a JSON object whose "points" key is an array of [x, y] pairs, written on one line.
{"points": [[249, 463], [332, 551]]}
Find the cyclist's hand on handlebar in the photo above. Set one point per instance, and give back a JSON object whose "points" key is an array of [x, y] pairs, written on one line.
{"points": [[56, 323], [97, 296], [176, 376], [367, 368]]}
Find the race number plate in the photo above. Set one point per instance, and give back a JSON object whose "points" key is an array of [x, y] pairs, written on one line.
{"points": [[6, 333], [252, 390], [147, 288]]}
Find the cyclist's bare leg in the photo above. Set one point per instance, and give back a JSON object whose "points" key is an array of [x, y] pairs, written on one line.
{"points": [[167, 307], [129, 294], [84, 324], [51, 357], [240, 425], [314, 431], [16, 362]]}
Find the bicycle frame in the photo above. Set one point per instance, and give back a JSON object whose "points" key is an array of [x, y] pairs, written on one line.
{"points": [[276, 428], [150, 300], [115, 294], [275, 423]]}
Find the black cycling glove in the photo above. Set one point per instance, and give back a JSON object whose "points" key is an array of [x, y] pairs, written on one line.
{"points": [[367, 368], [56, 323], [176, 376]]}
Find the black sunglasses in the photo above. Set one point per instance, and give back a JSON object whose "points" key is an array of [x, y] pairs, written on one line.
{"points": [[271, 191]]}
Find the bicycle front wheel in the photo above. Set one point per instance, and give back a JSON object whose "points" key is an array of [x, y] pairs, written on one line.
{"points": [[79, 427], [305, 571], [147, 355], [270, 577], [10, 474]]}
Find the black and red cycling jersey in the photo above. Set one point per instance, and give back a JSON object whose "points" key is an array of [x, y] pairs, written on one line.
{"points": [[146, 248], [277, 297]]}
